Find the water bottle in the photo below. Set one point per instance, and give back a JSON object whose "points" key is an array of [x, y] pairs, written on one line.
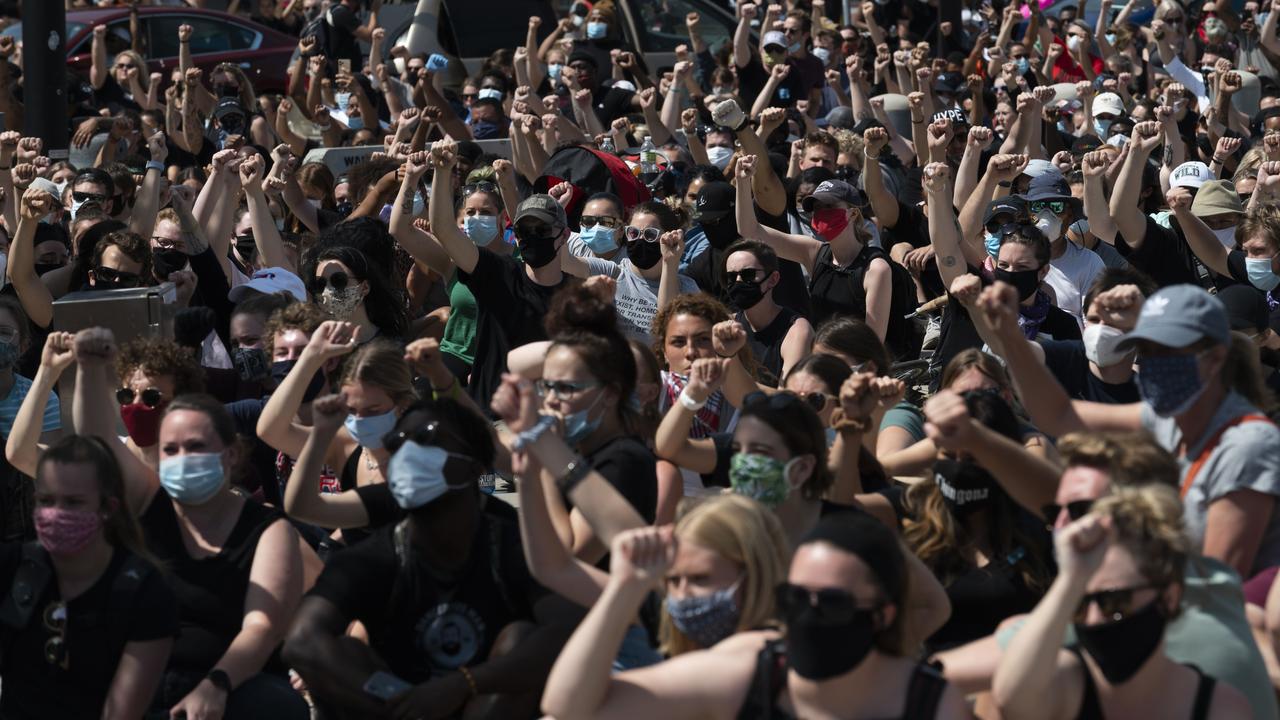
{"points": [[606, 145], [648, 158]]}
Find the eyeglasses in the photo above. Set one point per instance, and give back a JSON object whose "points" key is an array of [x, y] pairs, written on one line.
{"points": [[815, 400], [83, 197], [563, 388], [338, 281], [117, 277], [151, 397], [1054, 206], [832, 605], [1113, 604], [1076, 509], [747, 275], [55, 648], [164, 243], [650, 234], [126, 66], [428, 434], [605, 220], [791, 31]]}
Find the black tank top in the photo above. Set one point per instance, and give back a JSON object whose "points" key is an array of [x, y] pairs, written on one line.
{"points": [[841, 290], [1091, 706], [770, 680], [766, 343], [210, 591]]}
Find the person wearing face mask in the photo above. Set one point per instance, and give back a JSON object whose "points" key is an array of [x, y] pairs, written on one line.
{"points": [[1199, 399], [600, 234], [91, 603], [646, 273], [454, 565], [845, 607], [352, 288], [219, 662], [1072, 268], [779, 337], [512, 297], [991, 555], [847, 276], [1120, 582], [1250, 259]]}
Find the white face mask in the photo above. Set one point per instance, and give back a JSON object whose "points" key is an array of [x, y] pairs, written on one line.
{"points": [[1049, 224], [1073, 43], [1100, 345], [720, 156], [1227, 236]]}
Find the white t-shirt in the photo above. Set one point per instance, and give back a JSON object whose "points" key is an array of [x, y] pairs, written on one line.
{"points": [[1072, 275], [636, 298]]}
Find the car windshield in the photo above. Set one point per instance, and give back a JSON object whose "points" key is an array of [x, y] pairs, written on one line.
{"points": [[15, 30]]}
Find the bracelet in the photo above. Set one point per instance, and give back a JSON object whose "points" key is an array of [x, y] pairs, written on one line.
{"points": [[531, 436], [1220, 161], [452, 392], [471, 680], [1005, 184], [574, 473], [688, 403], [6, 168], [155, 165], [324, 128]]}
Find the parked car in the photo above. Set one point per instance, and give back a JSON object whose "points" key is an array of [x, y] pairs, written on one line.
{"points": [[262, 53]]}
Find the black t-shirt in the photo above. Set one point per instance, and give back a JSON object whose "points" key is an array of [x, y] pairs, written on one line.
{"points": [[510, 308], [631, 469], [766, 343], [707, 271], [342, 35], [98, 627], [806, 74], [913, 228], [1164, 255], [420, 623], [1240, 275], [981, 599], [114, 97], [380, 504], [1067, 361]]}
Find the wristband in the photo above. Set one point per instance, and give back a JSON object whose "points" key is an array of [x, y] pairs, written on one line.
{"points": [[574, 473], [219, 679], [155, 165], [1005, 184], [6, 168], [531, 436], [688, 403], [1220, 161]]}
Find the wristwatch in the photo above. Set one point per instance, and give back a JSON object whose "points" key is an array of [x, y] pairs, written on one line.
{"points": [[219, 679]]}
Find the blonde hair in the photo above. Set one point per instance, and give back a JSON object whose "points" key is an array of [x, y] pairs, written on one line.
{"points": [[745, 533], [1130, 459], [139, 62], [381, 364], [1147, 520]]}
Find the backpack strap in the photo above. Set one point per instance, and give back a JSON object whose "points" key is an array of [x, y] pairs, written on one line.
{"points": [[124, 589], [924, 692], [1209, 447], [29, 584], [495, 564], [769, 679], [1204, 695]]}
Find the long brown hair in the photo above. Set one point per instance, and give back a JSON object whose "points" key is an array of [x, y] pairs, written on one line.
{"points": [[120, 527]]}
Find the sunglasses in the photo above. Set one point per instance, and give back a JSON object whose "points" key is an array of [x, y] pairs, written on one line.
{"points": [[563, 388], [83, 197], [604, 220], [832, 606], [118, 278], [484, 187], [338, 281], [126, 66], [747, 275], [151, 397], [815, 400], [428, 434], [1076, 509], [470, 96], [634, 234], [791, 31], [55, 648], [1054, 206], [1113, 604]]}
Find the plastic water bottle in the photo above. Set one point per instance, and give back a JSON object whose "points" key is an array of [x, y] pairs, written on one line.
{"points": [[648, 158], [606, 145]]}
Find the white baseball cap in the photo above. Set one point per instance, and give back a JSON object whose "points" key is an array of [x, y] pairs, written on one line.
{"points": [[268, 281], [1108, 103], [1191, 174]]}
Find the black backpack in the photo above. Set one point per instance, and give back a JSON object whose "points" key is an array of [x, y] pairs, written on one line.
{"points": [[318, 28]]}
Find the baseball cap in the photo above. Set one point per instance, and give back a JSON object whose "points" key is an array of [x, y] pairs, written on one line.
{"points": [[229, 106], [715, 201], [774, 37], [583, 56], [949, 83], [1008, 205], [1190, 174], [833, 191], [1048, 186], [49, 187], [955, 115], [1216, 197], [1179, 316], [1036, 168], [541, 207], [840, 117], [1108, 103], [269, 281], [1247, 309]]}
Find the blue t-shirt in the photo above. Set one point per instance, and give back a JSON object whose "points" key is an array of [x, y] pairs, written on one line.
{"points": [[9, 407]]}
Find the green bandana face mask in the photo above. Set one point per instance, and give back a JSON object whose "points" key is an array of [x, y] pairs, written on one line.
{"points": [[761, 478]]}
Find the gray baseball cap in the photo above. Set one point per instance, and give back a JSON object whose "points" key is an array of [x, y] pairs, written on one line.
{"points": [[1178, 316], [544, 208]]}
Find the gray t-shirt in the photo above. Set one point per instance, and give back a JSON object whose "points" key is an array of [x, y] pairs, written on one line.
{"points": [[1247, 457], [636, 298]]}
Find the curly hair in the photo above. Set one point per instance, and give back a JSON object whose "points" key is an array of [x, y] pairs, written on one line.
{"points": [[161, 356], [133, 245], [304, 317], [1129, 459], [697, 304], [1148, 521]]}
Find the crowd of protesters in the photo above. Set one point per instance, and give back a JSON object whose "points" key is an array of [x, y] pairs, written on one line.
{"points": [[914, 363]]}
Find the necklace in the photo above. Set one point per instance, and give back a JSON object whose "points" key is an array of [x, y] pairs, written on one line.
{"points": [[370, 462]]}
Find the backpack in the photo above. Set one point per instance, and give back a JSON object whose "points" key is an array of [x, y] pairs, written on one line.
{"points": [[591, 171], [902, 302], [318, 28]]}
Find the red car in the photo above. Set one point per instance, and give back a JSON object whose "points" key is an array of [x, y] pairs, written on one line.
{"points": [[262, 53]]}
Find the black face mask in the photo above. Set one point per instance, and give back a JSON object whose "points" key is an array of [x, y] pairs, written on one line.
{"points": [[1122, 646], [818, 649], [280, 369], [644, 255], [722, 234], [745, 295], [167, 261], [42, 268], [344, 208], [251, 364], [225, 90], [965, 487], [1025, 281], [537, 252]]}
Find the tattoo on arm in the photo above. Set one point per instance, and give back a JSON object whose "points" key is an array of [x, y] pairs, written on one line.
{"points": [[1168, 154], [948, 260], [407, 203]]}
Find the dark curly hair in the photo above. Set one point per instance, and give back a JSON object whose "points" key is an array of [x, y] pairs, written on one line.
{"points": [[161, 356], [578, 319], [133, 245]]}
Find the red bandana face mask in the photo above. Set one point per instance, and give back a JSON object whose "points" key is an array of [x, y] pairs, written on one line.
{"points": [[142, 422], [830, 222]]}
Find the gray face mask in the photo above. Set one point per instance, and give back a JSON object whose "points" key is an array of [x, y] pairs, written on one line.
{"points": [[341, 303]]}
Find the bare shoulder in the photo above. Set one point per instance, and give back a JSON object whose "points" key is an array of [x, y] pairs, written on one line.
{"points": [[1229, 702]]}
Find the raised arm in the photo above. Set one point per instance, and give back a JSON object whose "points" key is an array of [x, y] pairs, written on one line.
{"points": [[1094, 166], [978, 141], [23, 448], [99, 70], [672, 441], [36, 299], [461, 250], [669, 281], [265, 234], [420, 245], [1203, 242], [801, 249], [883, 203], [944, 232], [276, 426], [147, 200], [303, 500], [1126, 209]]}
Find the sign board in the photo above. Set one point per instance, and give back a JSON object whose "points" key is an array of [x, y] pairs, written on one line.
{"points": [[342, 159]]}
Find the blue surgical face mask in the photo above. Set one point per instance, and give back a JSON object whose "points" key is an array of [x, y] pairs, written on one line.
{"points": [[484, 130], [822, 54], [993, 245], [355, 123], [599, 238], [553, 70], [831, 436], [597, 30], [369, 430], [415, 474], [1023, 65], [706, 619], [1170, 384], [1260, 275], [1111, 38], [579, 426], [794, 47], [1102, 127], [192, 479], [482, 229]]}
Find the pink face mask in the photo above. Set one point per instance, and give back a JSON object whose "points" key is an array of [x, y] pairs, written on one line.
{"points": [[66, 532]]}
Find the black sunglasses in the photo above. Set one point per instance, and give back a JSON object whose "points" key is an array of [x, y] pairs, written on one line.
{"points": [[815, 400], [775, 401], [747, 275], [832, 605], [484, 187], [151, 397], [83, 197], [428, 434], [116, 277], [1076, 509], [591, 221], [338, 281], [1113, 604], [1054, 206]]}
